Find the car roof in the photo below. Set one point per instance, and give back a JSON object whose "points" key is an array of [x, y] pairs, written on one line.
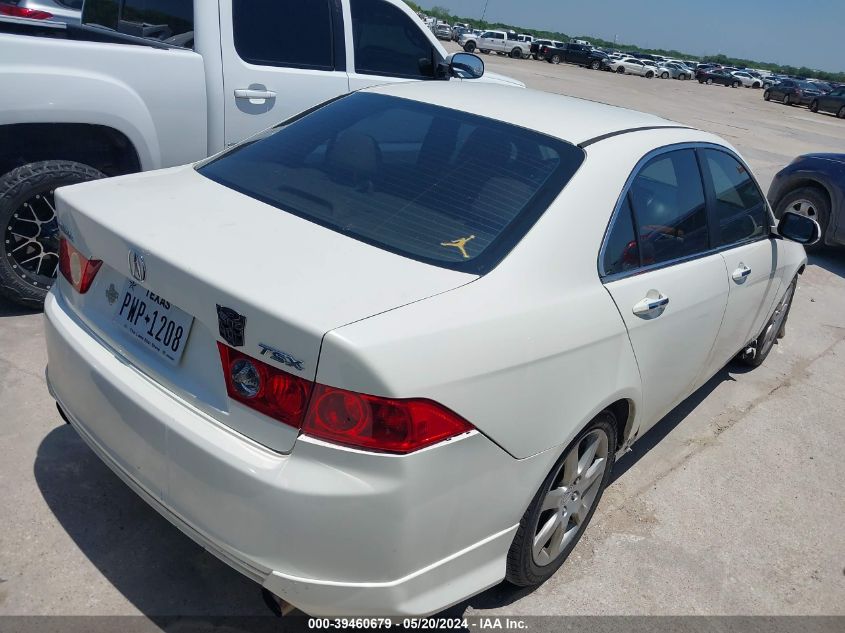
{"points": [[567, 118]]}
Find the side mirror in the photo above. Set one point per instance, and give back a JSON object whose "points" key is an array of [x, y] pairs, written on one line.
{"points": [[465, 66], [799, 228]]}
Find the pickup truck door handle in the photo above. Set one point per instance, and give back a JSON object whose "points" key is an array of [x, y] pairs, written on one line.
{"points": [[649, 306], [742, 271], [243, 93]]}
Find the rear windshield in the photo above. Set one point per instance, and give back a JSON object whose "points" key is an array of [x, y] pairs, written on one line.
{"points": [[437, 185]]}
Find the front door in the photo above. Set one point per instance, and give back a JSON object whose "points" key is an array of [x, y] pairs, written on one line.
{"points": [[280, 57], [670, 289]]}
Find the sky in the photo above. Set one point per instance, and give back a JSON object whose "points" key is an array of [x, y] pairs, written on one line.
{"points": [[795, 32]]}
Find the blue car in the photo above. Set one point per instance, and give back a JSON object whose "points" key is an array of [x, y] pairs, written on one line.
{"points": [[814, 185]]}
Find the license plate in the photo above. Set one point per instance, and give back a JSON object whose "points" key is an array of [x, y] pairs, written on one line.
{"points": [[153, 321]]}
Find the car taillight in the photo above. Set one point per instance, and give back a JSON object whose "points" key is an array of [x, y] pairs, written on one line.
{"points": [[380, 424], [75, 267], [262, 387], [20, 12]]}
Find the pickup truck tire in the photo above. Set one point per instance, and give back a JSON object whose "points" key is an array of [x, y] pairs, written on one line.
{"points": [[595, 64], [469, 47], [516, 53], [554, 59], [30, 248]]}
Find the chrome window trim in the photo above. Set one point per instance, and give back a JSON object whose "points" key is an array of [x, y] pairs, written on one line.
{"points": [[665, 149]]}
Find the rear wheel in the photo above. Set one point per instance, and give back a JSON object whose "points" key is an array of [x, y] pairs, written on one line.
{"points": [[735, 84], [774, 329], [469, 47], [516, 53], [555, 59], [841, 113], [814, 106], [709, 82], [29, 254], [595, 64], [564, 505], [787, 100], [809, 202]]}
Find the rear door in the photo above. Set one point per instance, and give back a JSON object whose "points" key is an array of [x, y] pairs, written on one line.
{"points": [[386, 44], [669, 286], [280, 57], [741, 226]]}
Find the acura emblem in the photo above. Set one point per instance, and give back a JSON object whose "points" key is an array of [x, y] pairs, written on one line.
{"points": [[231, 325], [137, 267]]}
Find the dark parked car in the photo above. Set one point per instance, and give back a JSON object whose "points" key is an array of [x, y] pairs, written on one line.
{"points": [[833, 102], [539, 47], [576, 54], [813, 185], [793, 92], [721, 77]]}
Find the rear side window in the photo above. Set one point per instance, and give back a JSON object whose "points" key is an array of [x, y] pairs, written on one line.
{"points": [[669, 209], [284, 33], [170, 21], [440, 186], [388, 42], [739, 207]]}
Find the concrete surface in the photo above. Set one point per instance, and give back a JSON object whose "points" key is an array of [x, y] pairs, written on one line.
{"points": [[733, 504]]}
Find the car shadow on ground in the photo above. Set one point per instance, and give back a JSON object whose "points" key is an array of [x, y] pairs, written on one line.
{"points": [[9, 309], [829, 258], [164, 573]]}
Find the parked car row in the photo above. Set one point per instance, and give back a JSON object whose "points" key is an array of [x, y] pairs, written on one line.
{"points": [[811, 94]]}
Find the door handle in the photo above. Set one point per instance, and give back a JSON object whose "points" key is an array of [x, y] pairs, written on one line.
{"points": [[651, 306], [742, 271], [242, 93]]}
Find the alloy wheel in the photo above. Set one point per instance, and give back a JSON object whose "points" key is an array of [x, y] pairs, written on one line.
{"points": [[571, 496], [804, 207], [32, 240]]}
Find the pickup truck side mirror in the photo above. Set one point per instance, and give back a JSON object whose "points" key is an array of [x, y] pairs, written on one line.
{"points": [[799, 228], [462, 66]]}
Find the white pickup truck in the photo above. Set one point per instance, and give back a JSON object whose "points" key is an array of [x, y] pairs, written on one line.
{"points": [[144, 84], [506, 42]]}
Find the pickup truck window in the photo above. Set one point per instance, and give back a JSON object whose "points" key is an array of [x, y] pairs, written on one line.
{"points": [[170, 21], [437, 185], [263, 33], [387, 42]]}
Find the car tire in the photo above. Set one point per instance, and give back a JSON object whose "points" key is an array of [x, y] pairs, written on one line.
{"points": [[709, 82], [787, 100], [595, 64], [735, 84], [774, 329], [814, 106], [620, 70], [649, 74], [484, 50], [664, 75], [30, 228], [766, 95], [567, 490], [756, 85], [811, 202], [469, 47], [554, 59], [841, 113], [534, 55], [516, 53]]}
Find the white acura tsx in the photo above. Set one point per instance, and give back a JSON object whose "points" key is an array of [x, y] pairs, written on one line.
{"points": [[384, 355]]}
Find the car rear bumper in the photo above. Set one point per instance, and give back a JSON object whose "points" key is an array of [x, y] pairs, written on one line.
{"points": [[333, 531]]}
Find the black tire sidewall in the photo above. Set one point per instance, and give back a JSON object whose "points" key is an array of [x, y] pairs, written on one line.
{"points": [[16, 187], [521, 568]]}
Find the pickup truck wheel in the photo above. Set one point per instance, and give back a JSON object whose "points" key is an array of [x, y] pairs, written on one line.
{"points": [[774, 329], [555, 59], [516, 53], [30, 250], [595, 64], [469, 47], [564, 504]]}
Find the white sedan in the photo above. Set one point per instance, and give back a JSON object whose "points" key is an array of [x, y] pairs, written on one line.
{"points": [[747, 79], [632, 66], [384, 355]]}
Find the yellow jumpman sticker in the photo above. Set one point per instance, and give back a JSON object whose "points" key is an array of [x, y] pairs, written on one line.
{"points": [[460, 244]]}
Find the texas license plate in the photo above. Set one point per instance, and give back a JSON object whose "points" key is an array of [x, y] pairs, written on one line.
{"points": [[153, 321]]}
